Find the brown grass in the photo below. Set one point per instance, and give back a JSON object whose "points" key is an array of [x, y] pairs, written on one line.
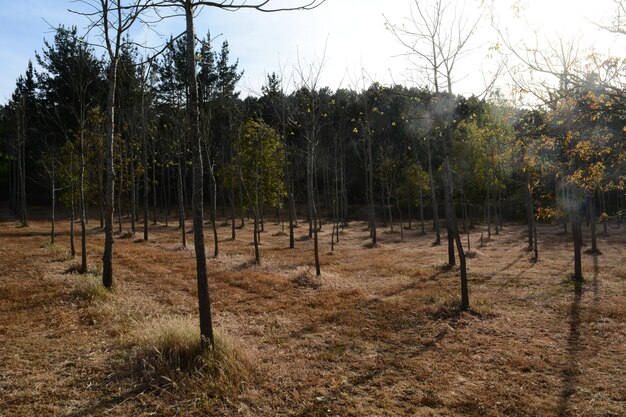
{"points": [[379, 333], [166, 351]]}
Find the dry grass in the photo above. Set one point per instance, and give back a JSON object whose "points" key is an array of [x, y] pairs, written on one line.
{"points": [[379, 333], [89, 287], [166, 351]]}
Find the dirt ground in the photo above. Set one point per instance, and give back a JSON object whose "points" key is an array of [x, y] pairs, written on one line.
{"points": [[378, 335]]}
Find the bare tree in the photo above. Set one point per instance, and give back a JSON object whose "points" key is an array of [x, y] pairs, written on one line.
{"points": [[436, 35], [189, 9], [309, 79], [112, 18]]}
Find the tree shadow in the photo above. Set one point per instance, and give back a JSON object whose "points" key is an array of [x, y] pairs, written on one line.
{"points": [[594, 283], [570, 373], [106, 405]]}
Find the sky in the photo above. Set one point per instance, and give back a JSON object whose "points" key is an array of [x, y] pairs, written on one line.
{"points": [[349, 36]]}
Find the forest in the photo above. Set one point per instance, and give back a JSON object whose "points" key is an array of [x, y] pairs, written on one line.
{"points": [[185, 248]]}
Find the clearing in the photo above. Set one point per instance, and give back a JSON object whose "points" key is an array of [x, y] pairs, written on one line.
{"points": [[378, 335]]}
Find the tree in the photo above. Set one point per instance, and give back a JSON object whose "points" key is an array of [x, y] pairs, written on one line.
{"points": [[113, 18], [438, 37], [189, 8], [70, 86], [260, 155]]}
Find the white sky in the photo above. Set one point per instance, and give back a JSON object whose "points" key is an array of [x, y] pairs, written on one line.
{"points": [[352, 31]]}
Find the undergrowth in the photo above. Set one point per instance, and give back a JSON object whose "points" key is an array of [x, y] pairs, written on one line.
{"points": [[88, 286], [167, 352]]}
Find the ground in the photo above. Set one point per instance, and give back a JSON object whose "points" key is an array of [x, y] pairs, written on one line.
{"points": [[379, 334]]}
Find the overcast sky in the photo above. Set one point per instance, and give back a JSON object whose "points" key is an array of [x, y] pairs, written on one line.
{"points": [[352, 32]]}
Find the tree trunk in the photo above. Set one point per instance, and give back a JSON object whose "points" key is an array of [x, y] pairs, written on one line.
{"points": [[449, 210], [233, 212], [204, 303], [154, 188], [181, 206], [421, 194], [133, 186], [591, 198], [488, 211], [107, 257], [451, 221], [433, 196], [257, 255], [213, 214], [53, 214], [166, 192], [23, 172], [72, 209], [370, 170], [144, 151], [119, 194], [530, 212], [605, 216], [535, 249], [577, 237], [82, 208], [290, 202]]}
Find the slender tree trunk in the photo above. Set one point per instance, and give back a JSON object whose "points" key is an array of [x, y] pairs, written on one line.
{"points": [[107, 257], [293, 205], [433, 196], [530, 212], [465, 304], [535, 244], [119, 193], [390, 206], [72, 208], [181, 206], [451, 220], [488, 211], [370, 171], [421, 195], [592, 215], [53, 212], [233, 212], [166, 193], [82, 205], [577, 237], [23, 172], [144, 151], [154, 188], [400, 216], [310, 195], [316, 244], [344, 190], [204, 303], [242, 213], [213, 214], [604, 213], [133, 186], [500, 209], [311, 206], [382, 200], [463, 209], [290, 202], [449, 210], [257, 255]]}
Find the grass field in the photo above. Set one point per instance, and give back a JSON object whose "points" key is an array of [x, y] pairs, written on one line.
{"points": [[379, 334]]}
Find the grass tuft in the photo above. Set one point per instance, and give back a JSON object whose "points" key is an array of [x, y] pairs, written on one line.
{"points": [[89, 287], [167, 352], [306, 279]]}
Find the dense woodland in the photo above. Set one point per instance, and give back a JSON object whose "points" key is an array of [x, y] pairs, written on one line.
{"points": [[133, 138]]}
